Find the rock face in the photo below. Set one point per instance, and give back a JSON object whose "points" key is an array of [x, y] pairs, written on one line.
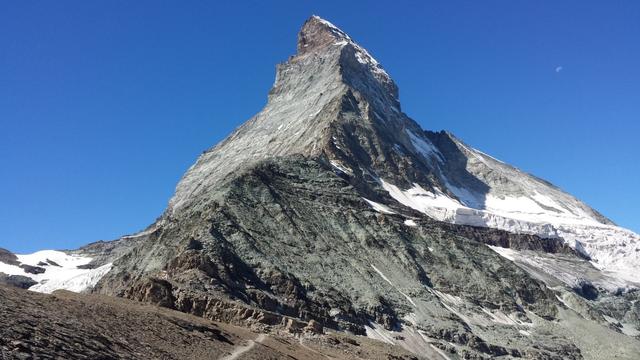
{"points": [[18, 281], [332, 210]]}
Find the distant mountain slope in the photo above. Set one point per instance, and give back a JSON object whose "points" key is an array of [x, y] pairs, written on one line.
{"points": [[49, 270]]}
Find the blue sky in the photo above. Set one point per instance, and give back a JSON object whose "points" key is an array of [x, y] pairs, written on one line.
{"points": [[104, 105]]}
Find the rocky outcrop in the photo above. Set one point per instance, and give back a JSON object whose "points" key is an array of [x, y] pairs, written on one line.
{"points": [[8, 257], [18, 281], [29, 269], [75, 326]]}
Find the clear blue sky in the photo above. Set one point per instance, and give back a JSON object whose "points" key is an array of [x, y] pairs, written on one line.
{"points": [[104, 104]]}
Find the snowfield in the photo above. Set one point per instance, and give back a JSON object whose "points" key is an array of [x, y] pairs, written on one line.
{"points": [[612, 249], [61, 271], [517, 202]]}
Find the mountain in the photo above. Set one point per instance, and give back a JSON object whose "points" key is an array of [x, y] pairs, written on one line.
{"points": [[331, 208]]}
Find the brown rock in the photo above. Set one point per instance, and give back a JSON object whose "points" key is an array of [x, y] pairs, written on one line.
{"points": [[313, 327]]}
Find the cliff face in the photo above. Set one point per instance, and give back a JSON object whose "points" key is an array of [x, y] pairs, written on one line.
{"points": [[332, 205]]}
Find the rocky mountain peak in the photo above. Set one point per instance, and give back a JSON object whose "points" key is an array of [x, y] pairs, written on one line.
{"points": [[330, 76], [317, 33], [318, 37]]}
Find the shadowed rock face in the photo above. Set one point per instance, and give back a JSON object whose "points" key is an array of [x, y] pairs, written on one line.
{"points": [[8, 257], [276, 223], [18, 281]]}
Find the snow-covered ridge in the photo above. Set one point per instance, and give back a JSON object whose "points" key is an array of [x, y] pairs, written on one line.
{"points": [[613, 249], [568, 272], [517, 202], [60, 271], [379, 207], [425, 147]]}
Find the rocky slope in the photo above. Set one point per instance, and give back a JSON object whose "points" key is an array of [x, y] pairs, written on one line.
{"points": [[331, 207], [99, 327]]}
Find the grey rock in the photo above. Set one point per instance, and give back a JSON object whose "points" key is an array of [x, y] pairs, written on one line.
{"points": [[18, 281], [33, 269], [8, 257]]}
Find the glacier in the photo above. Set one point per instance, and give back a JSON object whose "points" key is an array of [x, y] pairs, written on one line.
{"points": [[519, 203], [62, 271]]}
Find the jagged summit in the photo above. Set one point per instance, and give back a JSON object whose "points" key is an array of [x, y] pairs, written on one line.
{"points": [[330, 76], [321, 38], [317, 33]]}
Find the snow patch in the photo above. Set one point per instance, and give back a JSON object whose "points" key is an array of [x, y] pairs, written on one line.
{"points": [[398, 149], [65, 276], [435, 204], [506, 253], [409, 338], [499, 317], [394, 286], [614, 250], [451, 299], [425, 147], [341, 168], [75, 281], [379, 333], [379, 207], [567, 272], [410, 222]]}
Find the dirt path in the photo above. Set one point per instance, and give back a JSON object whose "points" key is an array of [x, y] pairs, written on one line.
{"points": [[243, 349], [311, 349]]}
